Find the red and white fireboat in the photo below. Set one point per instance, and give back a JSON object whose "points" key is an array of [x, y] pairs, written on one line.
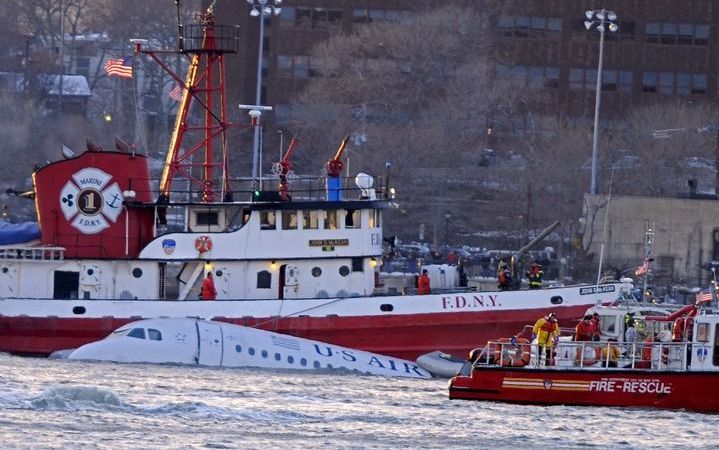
{"points": [[300, 258], [675, 367]]}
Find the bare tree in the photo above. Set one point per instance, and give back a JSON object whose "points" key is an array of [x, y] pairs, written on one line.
{"points": [[665, 136]]}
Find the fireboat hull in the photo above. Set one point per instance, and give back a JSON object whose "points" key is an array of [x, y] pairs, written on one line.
{"points": [[46, 326], [605, 387]]}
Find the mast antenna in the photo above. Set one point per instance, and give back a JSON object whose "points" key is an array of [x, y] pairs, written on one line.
{"points": [[180, 28]]}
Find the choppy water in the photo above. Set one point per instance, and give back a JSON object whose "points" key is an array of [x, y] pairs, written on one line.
{"points": [[70, 404]]}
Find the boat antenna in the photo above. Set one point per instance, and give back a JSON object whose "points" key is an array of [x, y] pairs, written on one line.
{"points": [[180, 29], [604, 232]]}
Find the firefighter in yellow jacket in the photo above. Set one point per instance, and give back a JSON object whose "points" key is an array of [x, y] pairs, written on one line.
{"points": [[547, 330]]}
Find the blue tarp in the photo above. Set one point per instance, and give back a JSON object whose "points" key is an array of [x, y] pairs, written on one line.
{"points": [[17, 233]]}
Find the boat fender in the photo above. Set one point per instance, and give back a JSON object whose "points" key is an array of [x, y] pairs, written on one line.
{"points": [[512, 352], [589, 355]]}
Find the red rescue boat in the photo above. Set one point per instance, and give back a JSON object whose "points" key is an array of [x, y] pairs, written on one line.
{"points": [[662, 371]]}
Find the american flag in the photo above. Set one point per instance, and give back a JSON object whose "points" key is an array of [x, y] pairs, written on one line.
{"points": [[119, 67], [704, 295], [642, 270], [176, 92]]}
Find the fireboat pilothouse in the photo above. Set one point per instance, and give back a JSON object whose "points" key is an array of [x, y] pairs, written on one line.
{"points": [[300, 258]]}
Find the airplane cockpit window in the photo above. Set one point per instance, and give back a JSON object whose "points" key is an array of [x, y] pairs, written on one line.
{"points": [[119, 333], [138, 333], [154, 335]]}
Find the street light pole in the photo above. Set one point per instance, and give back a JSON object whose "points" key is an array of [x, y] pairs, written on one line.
{"points": [[604, 19], [260, 9]]}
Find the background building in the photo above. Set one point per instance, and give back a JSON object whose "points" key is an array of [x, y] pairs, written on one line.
{"points": [[662, 48]]}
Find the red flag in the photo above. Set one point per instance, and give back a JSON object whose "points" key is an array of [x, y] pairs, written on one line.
{"points": [[119, 67]]}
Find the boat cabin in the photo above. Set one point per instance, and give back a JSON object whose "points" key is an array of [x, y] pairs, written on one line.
{"points": [[104, 237], [685, 339]]}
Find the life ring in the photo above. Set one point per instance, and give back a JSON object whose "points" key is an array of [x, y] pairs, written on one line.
{"points": [[203, 244], [507, 353]]}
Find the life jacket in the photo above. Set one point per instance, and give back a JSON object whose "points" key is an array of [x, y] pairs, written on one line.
{"points": [[548, 326]]}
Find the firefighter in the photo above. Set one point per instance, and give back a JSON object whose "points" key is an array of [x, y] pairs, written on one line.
{"points": [[534, 275]]}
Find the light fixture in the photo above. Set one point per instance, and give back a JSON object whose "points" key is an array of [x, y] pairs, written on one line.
{"points": [[273, 264], [605, 20], [373, 262], [208, 267], [254, 12]]}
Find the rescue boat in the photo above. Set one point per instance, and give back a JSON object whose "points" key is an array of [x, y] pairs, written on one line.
{"points": [[291, 254], [673, 366]]}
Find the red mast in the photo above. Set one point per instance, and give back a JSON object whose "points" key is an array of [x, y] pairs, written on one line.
{"points": [[203, 160]]}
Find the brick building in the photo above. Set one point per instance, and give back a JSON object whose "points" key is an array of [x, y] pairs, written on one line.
{"points": [[662, 48]]}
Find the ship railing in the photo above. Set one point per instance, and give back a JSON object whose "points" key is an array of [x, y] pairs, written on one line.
{"points": [[592, 355], [299, 188], [32, 253]]}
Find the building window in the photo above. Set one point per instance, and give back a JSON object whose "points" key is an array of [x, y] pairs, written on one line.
{"points": [[344, 271], [671, 83], [699, 83], [669, 33], [297, 66], [649, 82], [612, 79], [267, 220], [536, 76], [264, 280], [530, 27], [378, 15], [317, 17]]}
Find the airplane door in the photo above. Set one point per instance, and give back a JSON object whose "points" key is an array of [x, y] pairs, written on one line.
{"points": [[211, 348]]}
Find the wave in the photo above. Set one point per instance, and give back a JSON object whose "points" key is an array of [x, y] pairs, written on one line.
{"points": [[200, 410], [72, 398]]}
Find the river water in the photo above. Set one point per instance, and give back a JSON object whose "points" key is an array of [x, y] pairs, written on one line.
{"points": [[59, 404]]}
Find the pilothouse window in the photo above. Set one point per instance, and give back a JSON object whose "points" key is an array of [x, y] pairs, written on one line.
{"points": [[352, 218], [331, 220], [289, 220], [310, 220], [267, 220]]}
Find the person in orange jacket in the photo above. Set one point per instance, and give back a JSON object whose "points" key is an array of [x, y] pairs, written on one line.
{"points": [[423, 287], [208, 288]]}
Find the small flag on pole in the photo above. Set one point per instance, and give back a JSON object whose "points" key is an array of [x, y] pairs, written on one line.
{"points": [[705, 295], [119, 67], [642, 270], [176, 93]]}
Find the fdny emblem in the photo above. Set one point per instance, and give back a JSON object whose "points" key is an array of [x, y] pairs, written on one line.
{"points": [[168, 245], [90, 201]]}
